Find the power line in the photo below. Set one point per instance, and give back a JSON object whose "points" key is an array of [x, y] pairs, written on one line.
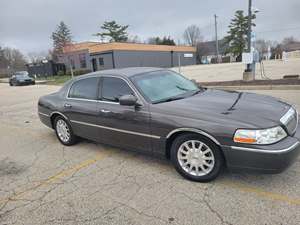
{"points": [[278, 30]]}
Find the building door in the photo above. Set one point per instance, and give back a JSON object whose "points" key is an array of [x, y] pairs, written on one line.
{"points": [[94, 64]]}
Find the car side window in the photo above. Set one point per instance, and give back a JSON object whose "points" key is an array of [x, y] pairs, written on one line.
{"points": [[113, 88], [85, 89]]}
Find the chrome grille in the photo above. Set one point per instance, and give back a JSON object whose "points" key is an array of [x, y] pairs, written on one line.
{"points": [[290, 120]]}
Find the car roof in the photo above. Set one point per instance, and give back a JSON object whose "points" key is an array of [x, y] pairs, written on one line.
{"points": [[124, 72]]}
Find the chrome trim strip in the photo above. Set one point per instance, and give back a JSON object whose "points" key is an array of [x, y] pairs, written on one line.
{"points": [[83, 99], [195, 131], [288, 116], [43, 114], [115, 129], [278, 151]]}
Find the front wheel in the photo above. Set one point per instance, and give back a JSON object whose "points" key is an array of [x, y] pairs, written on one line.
{"points": [[64, 131], [196, 158]]}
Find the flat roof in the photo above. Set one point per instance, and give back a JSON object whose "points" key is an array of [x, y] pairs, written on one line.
{"points": [[95, 47]]}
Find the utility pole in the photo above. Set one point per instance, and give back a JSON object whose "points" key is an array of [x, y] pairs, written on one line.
{"points": [[217, 42], [249, 32]]}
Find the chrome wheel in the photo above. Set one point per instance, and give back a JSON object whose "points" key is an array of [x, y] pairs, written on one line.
{"points": [[63, 130], [195, 158]]}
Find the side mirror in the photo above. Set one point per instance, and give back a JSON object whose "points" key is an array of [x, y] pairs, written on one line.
{"points": [[128, 100]]}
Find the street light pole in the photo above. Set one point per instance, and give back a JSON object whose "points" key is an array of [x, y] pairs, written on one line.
{"points": [[217, 42], [249, 32]]}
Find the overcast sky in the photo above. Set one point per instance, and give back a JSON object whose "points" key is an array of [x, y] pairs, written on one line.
{"points": [[28, 24]]}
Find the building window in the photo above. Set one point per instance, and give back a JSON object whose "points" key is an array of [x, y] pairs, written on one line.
{"points": [[101, 62], [82, 60]]}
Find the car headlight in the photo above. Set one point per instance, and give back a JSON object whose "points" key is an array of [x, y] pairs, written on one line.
{"points": [[264, 136]]}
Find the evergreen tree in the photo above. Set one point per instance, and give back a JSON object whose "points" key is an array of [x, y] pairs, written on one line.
{"points": [[237, 34], [114, 31], [61, 37], [161, 41]]}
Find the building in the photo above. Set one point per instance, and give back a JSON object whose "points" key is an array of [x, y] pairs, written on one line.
{"points": [[45, 68], [207, 52], [291, 50], [95, 56]]}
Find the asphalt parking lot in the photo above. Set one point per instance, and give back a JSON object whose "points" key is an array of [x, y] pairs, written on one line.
{"points": [[44, 182]]}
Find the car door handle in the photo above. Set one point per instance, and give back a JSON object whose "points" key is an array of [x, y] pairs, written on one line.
{"points": [[105, 111], [68, 105]]}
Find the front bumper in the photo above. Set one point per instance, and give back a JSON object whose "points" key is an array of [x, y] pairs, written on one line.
{"points": [[273, 158], [26, 82]]}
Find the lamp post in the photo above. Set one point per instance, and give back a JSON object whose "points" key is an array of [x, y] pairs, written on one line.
{"points": [[248, 69]]}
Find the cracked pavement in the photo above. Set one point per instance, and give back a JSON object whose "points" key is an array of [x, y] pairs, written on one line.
{"points": [[43, 182]]}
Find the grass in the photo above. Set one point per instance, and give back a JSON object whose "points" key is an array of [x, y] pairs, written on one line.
{"points": [[55, 80]]}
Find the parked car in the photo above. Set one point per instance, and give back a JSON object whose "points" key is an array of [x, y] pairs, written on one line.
{"points": [[161, 112], [21, 78]]}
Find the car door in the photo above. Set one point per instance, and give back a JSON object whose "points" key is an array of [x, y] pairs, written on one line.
{"points": [[81, 107], [125, 126]]}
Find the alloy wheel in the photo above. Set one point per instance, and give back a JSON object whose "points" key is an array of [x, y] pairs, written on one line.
{"points": [[63, 130], [195, 158]]}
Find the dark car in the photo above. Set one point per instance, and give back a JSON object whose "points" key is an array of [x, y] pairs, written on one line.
{"points": [[21, 78], [160, 112]]}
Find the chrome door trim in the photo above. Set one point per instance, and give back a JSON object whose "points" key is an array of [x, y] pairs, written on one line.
{"points": [[195, 131], [257, 150], [44, 114], [115, 129]]}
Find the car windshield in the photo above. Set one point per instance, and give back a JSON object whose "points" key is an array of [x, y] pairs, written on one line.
{"points": [[21, 73], [22, 76], [164, 85]]}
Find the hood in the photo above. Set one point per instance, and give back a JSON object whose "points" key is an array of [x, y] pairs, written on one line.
{"points": [[247, 109]]}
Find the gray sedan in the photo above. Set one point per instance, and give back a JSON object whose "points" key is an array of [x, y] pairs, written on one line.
{"points": [[160, 112]]}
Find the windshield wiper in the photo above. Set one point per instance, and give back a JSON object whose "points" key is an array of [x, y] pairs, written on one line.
{"points": [[182, 88], [169, 99], [197, 92]]}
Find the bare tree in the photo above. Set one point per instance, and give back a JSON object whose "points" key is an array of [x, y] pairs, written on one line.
{"points": [[15, 58], [288, 40], [134, 39], [35, 57], [192, 35], [262, 45]]}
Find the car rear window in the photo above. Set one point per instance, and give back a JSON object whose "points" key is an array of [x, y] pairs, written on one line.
{"points": [[85, 89]]}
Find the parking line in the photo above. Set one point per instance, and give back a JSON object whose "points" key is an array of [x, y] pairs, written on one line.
{"points": [[262, 193], [55, 177]]}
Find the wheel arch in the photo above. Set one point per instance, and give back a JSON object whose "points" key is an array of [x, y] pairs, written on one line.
{"points": [[180, 131], [54, 114]]}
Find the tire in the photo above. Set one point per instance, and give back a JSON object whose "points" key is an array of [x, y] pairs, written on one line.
{"points": [[66, 137], [10, 84], [202, 163]]}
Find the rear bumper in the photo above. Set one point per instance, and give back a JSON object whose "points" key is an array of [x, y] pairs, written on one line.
{"points": [[264, 159], [45, 119]]}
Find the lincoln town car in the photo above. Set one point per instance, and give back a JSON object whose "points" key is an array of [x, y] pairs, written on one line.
{"points": [[160, 112]]}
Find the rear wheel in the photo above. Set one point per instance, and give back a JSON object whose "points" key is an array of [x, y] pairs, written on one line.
{"points": [[64, 131], [196, 158]]}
